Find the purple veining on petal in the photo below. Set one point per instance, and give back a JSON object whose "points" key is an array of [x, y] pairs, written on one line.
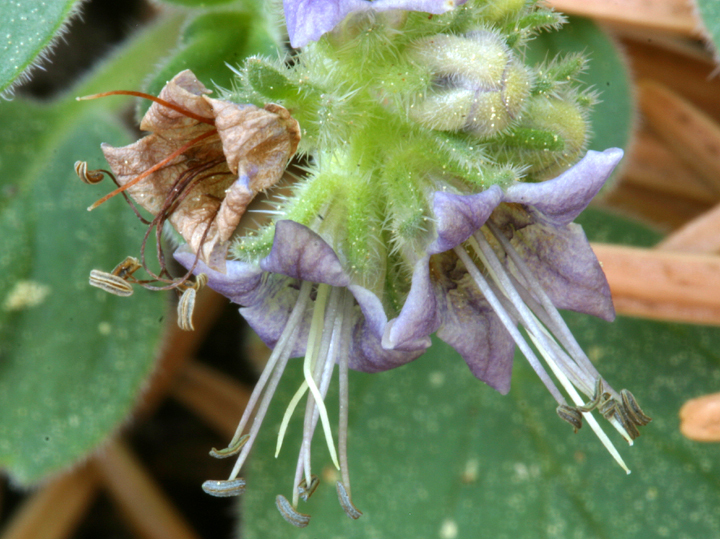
{"points": [[565, 265], [308, 20], [299, 252], [473, 329], [561, 200], [269, 316], [444, 299], [457, 217]]}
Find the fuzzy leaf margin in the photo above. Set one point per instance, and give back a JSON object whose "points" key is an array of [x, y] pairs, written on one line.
{"points": [[27, 29]]}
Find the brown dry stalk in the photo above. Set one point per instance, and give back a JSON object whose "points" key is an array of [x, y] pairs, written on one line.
{"points": [[692, 134], [701, 235], [56, 508], [662, 285], [665, 15], [700, 418], [653, 165], [216, 398], [148, 511]]}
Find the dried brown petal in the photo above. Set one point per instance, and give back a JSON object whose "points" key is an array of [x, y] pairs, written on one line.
{"points": [[207, 187]]}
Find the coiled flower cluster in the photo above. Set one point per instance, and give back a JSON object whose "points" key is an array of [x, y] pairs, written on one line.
{"points": [[440, 178]]}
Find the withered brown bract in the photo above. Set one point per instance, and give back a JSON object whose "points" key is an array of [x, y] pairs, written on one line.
{"points": [[237, 152]]}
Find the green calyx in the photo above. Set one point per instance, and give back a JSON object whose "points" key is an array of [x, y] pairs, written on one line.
{"points": [[395, 106]]}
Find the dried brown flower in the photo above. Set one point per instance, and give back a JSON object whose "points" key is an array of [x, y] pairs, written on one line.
{"points": [[203, 163]]}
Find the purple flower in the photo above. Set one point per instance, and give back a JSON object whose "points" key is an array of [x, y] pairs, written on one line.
{"points": [[308, 20], [499, 258], [301, 301]]}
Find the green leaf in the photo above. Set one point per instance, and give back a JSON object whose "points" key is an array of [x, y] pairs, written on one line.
{"points": [[710, 13], [198, 3], [436, 453], [213, 40], [612, 119], [27, 28], [72, 358], [128, 66]]}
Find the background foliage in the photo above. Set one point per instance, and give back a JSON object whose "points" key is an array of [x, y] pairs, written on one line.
{"points": [[433, 451]]}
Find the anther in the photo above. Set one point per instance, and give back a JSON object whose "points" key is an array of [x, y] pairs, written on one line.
{"points": [[346, 503], [185, 308], [127, 267], [110, 283], [291, 514], [232, 450], [571, 415], [224, 488], [633, 410], [595, 402], [88, 176], [306, 491]]}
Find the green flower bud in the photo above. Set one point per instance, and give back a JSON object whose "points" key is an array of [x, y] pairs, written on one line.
{"points": [[504, 9], [567, 120], [478, 84]]}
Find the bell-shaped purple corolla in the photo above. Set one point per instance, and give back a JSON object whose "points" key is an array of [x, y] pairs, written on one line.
{"points": [[300, 301], [500, 258], [308, 20]]}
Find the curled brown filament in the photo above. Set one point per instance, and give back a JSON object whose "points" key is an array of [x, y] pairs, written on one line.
{"points": [[224, 488], [289, 513], [306, 491], [346, 503], [96, 176], [232, 450], [89, 176]]}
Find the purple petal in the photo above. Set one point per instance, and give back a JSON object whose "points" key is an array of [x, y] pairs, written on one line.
{"points": [[419, 317], [240, 283], [367, 353], [561, 259], [308, 20], [268, 297], [299, 252], [472, 328], [269, 316], [561, 200], [444, 299], [457, 217]]}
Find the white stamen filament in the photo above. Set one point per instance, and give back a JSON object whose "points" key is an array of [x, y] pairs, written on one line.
{"points": [[558, 325], [577, 399], [315, 334], [304, 386], [343, 363], [288, 414], [275, 371], [323, 368], [539, 335], [508, 323], [285, 338]]}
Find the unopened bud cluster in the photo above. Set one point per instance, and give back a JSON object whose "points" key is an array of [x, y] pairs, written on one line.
{"points": [[395, 106]]}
